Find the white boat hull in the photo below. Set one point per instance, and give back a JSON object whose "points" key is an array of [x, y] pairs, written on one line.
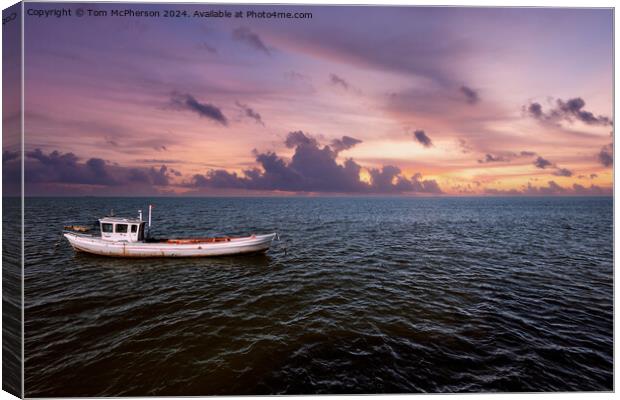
{"points": [[96, 245]]}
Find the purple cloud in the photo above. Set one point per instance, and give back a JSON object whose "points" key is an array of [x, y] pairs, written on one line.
{"points": [[563, 172], [551, 189], [152, 176], [250, 113], [8, 156], [471, 96], [572, 109], [205, 110], [507, 156], [245, 35], [490, 158], [535, 110], [606, 155], [345, 143], [421, 137], [66, 168], [338, 81], [298, 138], [542, 163]]}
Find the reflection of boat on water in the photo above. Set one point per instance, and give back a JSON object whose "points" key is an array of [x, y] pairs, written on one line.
{"points": [[126, 237]]}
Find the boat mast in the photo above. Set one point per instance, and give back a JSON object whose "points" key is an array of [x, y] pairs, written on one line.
{"points": [[150, 208]]}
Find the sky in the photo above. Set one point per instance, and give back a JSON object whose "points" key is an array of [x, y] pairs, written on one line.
{"points": [[355, 100]]}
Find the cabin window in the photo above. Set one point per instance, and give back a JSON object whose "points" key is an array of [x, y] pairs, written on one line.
{"points": [[121, 228], [134, 228], [106, 228]]}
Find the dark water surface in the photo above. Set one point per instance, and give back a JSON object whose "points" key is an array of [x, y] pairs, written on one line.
{"points": [[12, 295], [371, 295]]}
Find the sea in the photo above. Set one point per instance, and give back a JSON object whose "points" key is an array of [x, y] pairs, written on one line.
{"points": [[359, 295]]}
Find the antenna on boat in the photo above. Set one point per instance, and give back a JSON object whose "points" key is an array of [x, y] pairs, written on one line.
{"points": [[150, 209], [140, 215]]}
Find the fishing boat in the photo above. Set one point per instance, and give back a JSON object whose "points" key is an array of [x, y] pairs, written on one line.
{"points": [[130, 237]]}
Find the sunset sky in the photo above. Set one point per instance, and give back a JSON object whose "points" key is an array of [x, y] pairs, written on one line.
{"points": [[362, 100]]}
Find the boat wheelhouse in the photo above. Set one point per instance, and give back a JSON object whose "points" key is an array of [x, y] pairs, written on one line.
{"points": [[122, 229]]}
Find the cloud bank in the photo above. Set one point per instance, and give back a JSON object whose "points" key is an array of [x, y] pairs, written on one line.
{"points": [[314, 168], [57, 170], [552, 189]]}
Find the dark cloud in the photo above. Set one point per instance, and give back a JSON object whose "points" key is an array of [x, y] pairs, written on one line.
{"points": [[66, 168], [471, 96], [592, 176], [575, 106], [345, 143], [542, 163], [8, 156], [570, 110], [338, 81], [535, 110], [11, 172], [552, 189], [99, 170], [313, 168], [389, 180], [298, 138], [205, 110], [588, 191], [250, 113], [606, 155], [219, 179], [245, 35], [563, 172], [151, 176], [489, 158], [506, 156], [421, 137]]}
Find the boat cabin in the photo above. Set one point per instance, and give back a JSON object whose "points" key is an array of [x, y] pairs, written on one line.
{"points": [[122, 229]]}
